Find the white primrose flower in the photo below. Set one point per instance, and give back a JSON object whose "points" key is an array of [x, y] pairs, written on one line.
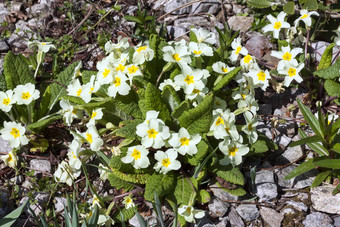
{"points": [[224, 125], [237, 50], [292, 73], [25, 94], [221, 67], [138, 156], [276, 24], [169, 82], [103, 174], [92, 137], [10, 159], [233, 152], [89, 88], [185, 143], [97, 114], [166, 161], [77, 71], [128, 202], [305, 17], [337, 39], [199, 49], [287, 55], [260, 77], [75, 88], [248, 62], [6, 100], [204, 36], [142, 53], [120, 46], [250, 127], [119, 85], [153, 133], [189, 213], [190, 79], [42, 46], [73, 155], [219, 104], [105, 71], [69, 112], [241, 93], [120, 67], [14, 133], [133, 71], [250, 103], [178, 54], [66, 174], [198, 95], [106, 220]]}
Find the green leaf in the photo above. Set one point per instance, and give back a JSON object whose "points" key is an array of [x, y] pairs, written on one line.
{"points": [[118, 183], [86, 75], [128, 104], [258, 147], [41, 124], [10, 218], [320, 178], [310, 118], [129, 129], [289, 7], [45, 100], [153, 101], [326, 58], [328, 163], [258, 3], [178, 111], [170, 97], [310, 5], [133, 19], [330, 72], [311, 139], [94, 217], [236, 192], [16, 71], [123, 215], [162, 184], [65, 78], [183, 190], [318, 148], [3, 86], [202, 151], [304, 167], [226, 79], [336, 126], [203, 196], [233, 175], [198, 119], [332, 88]]}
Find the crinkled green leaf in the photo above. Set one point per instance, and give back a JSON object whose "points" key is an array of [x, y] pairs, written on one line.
{"points": [[233, 175], [289, 7], [41, 124], [332, 88], [258, 3], [3, 86], [183, 190], [226, 79], [178, 111], [310, 5], [170, 97], [198, 119], [86, 75], [202, 151], [235, 192], [129, 129], [330, 72], [45, 100], [126, 213], [203, 196], [326, 58], [16, 71], [160, 183], [118, 183]]}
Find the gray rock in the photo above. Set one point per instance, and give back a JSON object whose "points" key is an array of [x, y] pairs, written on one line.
{"points": [[16, 6], [3, 46], [177, 31], [224, 222], [234, 219], [336, 221], [324, 201], [305, 180], [257, 44], [23, 30], [134, 221], [3, 13], [320, 47], [40, 166], [34, 22], [203, 222], [318, 219], [174, 4], [217, 208], [282, 140], [17, 179], [298, 205], [291, 154], [282, 173], [41, 199], [4, 144], [1, 140], [240, 23], [248, 212], [187, 22], [207, 7], [27, 184], [222, 194], [271, 217], [265, 109], [47, 2], [287, 211], [265, 129], [39, 10], [266, 188], [60, 203], [4, 202]]}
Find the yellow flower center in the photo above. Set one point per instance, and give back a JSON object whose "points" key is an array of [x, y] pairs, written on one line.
{"points": [[287, 56], [224, 70], [10, 157], [15, 133], [304, 16], [74, 111], [43, 44], [132, 69], [243, 96], [277, 25], [250, 127], [261, 76], [195, 91], [232, 151], [197, 52], [166, 162], [139, 49], [26, 95], [247, 59], [184, 141], [117, 81], [176, 57], [238, 49], [79, 92], [136, 154], [188, 210], [94, 114], [89, 137], [6, 101], [106, 72], [219, 121], [120, 67], [91, 90], [128, 200], [152, 133], [291, 72], [189, 79]]}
